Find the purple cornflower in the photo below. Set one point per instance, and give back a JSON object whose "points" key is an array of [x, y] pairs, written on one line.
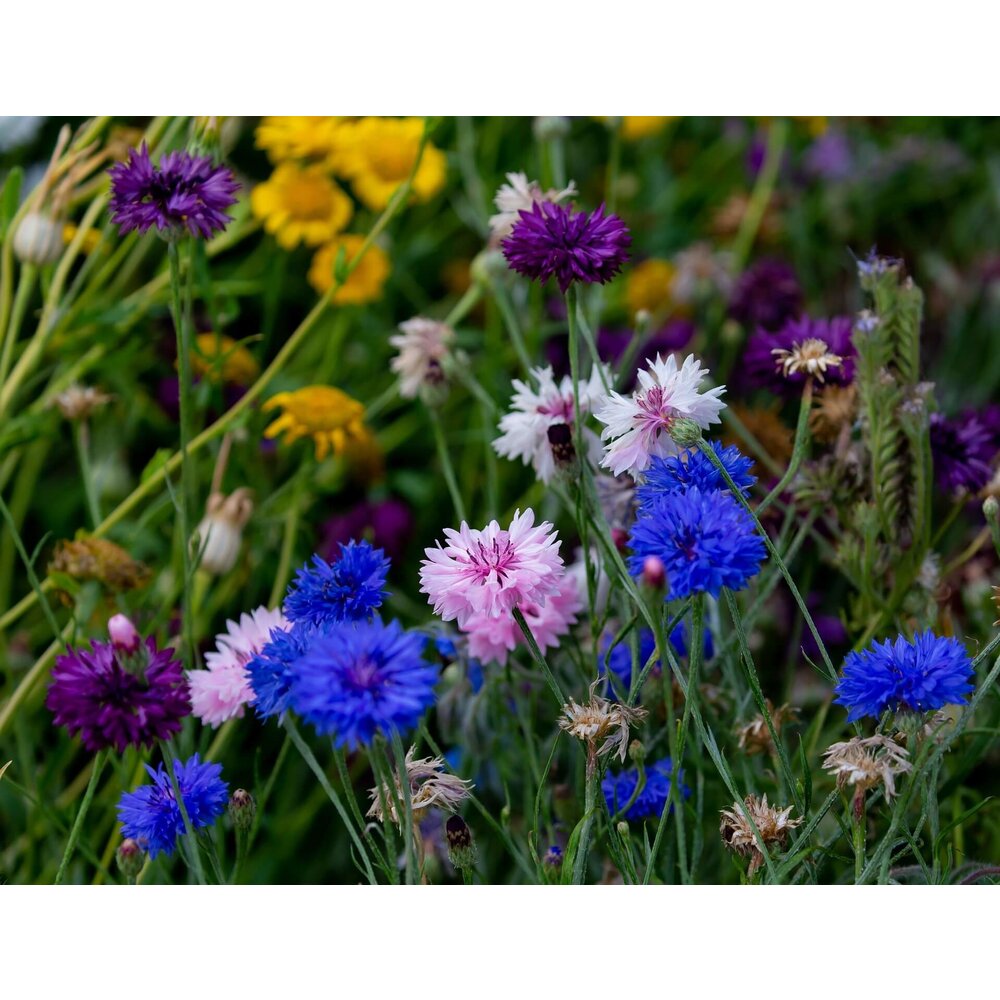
{"points": [[618, 790], [555, 241], [151, 815], [705, 541], [388, 523], [184, 191], [348, 589], [962, 450], [919, 675], [760, 364], [695, 468], [115, 698], [767, 295], [361, 679]]}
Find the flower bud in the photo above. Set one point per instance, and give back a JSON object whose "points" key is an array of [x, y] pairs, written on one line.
{"points": [[620, 537], [124, 635], [622, 829], [242, 809], [130, 857], [654, 573], [553, 856], [637, 751], [220, 533], [38, 239], [549, 127], [489, 266], [561, 442], [461, 848], [685, 432]]}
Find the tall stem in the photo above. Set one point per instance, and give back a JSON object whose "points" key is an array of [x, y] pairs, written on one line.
{"points": [[81, 815]]}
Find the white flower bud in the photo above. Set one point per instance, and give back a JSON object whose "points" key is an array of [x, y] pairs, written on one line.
{"points": [[220, 533], [38, 239]]}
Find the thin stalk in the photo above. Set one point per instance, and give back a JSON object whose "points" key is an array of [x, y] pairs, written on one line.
{"points": [[81, 438], [81, 815], [409, 827], [446, 465], [586, 834], [536, 654], [25, 286]]}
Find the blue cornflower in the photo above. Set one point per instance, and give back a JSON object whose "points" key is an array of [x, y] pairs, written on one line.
{"points": [[678, 639], [151, 814], [360, 679], [695, 468], [649, 803], [920, 675], [705, 541], [618, 661], [348, 589], [271, 670]]}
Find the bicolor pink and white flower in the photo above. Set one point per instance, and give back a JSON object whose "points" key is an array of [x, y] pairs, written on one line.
{"points": [[520, 194], [492, 639], [423, 346], [533, 411], [223, 691], [638, 426], [490, 571]]}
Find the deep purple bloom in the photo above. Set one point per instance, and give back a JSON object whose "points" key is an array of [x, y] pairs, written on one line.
{"points": [[695, 468], [184, 191], [618, 790], [555, 241], [348, 589], [387, 523], [361, 679], [113, 699], [151, 814], [767, 295], [962, 450], [706, 541], [919, 675], [760, 366]]}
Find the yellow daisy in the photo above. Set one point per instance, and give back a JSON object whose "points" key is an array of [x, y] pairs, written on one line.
{"points": [[379, 156], [641, 126], [301, 205], [327, 415], [90, 239], [221, 359], [302, 137], [648, 286], [366, 280]]}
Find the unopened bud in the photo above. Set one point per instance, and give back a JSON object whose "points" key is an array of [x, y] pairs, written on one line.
{"points": [[637, 751], [551, 127], [991, 511], [488, 267], [461, 848], [685, 432], [124, 636], [130, 858], [220, 533], [561, 442], [620, 537], [553, 856], [242, 809], [642, 320], [622, 828], [654, 573], [38, 239]]}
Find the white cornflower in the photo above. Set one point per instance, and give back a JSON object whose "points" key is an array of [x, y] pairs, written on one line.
{"points": [[533, 411], [812, 357], [866, 763], [520, 194], [638, 426], [423, 346], [430, 785]]}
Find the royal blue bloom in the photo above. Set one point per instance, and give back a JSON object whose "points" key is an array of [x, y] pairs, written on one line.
{"points": [[962, 450], [649, 803], [618, 661], [920, 675], [678, 639], [695, 468], [151, 814], [183, 192], [555, 241], [271, 670], [446, 647], [360, 679], [706, 541], [349, 589]]}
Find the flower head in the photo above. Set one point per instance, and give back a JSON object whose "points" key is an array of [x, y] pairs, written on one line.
{"points": [[430, 787], [802, 348], [552, 240], [772, 824], [767, 295], [652, 798], [363, 284], [327, 415], [535, 411], [387, 523], [603, 725], [493, 570], [920, 675], [360, 679], [220, 531], [222, 691], [755, 736], [348, 589], [301, 205], [303, 137], [706, 541], [115, 698], [80, 402], [518, 195], [638, 426], [423, 345], [183, 192], [272, 669], [962, 449], [221, 359], [866, 763], [694, 468], [100, 560], [492, 639], [649, 286], [151, 815]]}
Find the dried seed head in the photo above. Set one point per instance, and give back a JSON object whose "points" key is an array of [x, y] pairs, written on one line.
{"points": [[812, 357], [430, 785], [78, 402], [603, 725], [755, 736], [220, 533], [866, 763], [101, 560], [772, 824], [836, 409]]}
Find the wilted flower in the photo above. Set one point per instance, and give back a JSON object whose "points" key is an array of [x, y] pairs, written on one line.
{"points": [[101, 560], [802, 348], [220, 532], [835, 409], [80, 402], [772, 824], [812, 357], [423, 346], [430, 786], [866, 763], [327, 415], [518, 195], [755, 736], [600, 720]]}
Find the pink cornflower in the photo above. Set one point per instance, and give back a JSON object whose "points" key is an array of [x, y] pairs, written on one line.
{"points": [[223, 690], [638, 426], [491, 639], [493, 570]]}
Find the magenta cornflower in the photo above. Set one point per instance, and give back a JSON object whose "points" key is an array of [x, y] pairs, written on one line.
{"points": [[183, 192], [113, 697], [493, 570], [553, 240]]}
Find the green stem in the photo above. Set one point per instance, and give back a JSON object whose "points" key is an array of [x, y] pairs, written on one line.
{"points": [[799, 449], [81, 815], [536, 654], [446, 466], [81, 438], [25, 286], [590, 811], [412, 865]]}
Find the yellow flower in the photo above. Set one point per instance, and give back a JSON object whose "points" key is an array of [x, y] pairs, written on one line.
{"points": [[301, 205], [302, 137], [221, 359], [379, 156], [649, 285], [327, 415], [366, 280], [640, 126], [90, 239]]}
